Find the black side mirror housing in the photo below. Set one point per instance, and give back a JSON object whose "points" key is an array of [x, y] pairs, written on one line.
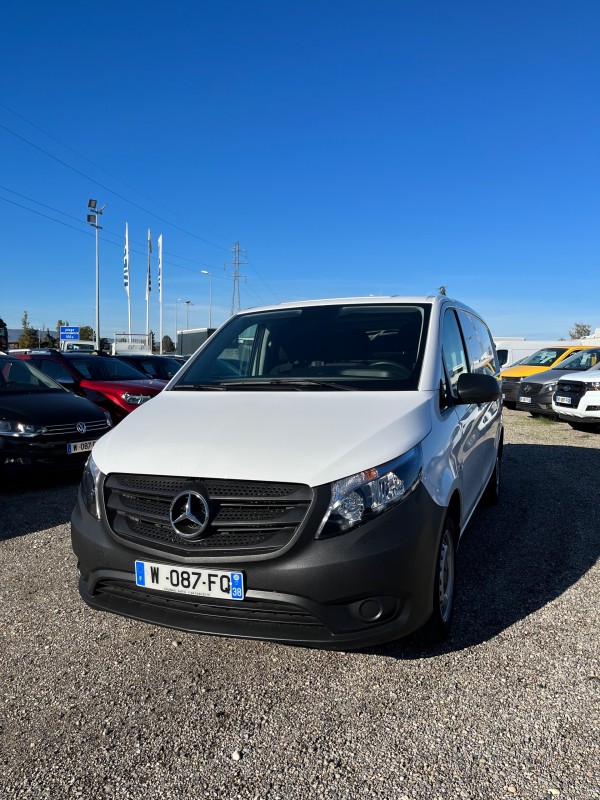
{"points": [[473, 387]]}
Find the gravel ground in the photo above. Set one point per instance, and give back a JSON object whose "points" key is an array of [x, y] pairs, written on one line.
{"points": [[96, 706]]}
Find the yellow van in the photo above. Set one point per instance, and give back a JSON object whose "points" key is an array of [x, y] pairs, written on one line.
{"points": [[544, 359]]}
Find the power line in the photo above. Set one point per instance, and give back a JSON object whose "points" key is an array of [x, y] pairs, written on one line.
{"points": [[98, 166], [107, 189], [112, 233]]}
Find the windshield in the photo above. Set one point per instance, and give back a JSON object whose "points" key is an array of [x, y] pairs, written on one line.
{"points": [[18, 376], [544, 357], [374, 347], [585, 359], [100, 368]]}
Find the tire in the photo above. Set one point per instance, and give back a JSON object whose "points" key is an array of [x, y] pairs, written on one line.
{"points": [[491, 493], [438, 626]]}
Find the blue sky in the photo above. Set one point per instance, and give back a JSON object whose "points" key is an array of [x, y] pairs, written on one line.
{"points": [[352, 148]]}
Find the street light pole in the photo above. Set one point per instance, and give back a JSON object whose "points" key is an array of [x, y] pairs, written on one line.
{"points": [[188, 303], [206, 272], [92, 219]]}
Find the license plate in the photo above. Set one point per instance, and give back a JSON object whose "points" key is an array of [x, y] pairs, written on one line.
{"points": [[564, 401], [81, 447], [524, 399], [190, 580]]}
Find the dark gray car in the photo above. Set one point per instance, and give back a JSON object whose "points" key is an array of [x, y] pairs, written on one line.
{"points": [[535, 392]]}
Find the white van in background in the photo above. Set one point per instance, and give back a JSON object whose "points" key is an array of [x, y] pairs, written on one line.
{"points": [[513, 349]]}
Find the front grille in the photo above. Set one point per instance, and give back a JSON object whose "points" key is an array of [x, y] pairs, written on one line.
{"points": [[71, 428], [244, 516], [511, 380], [572, 387], [531, 389]]}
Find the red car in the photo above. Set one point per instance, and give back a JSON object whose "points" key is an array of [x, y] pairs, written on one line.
{"points": [[109, 383]]}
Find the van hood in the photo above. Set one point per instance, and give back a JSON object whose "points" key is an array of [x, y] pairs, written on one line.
{"points": [[296, 437]]}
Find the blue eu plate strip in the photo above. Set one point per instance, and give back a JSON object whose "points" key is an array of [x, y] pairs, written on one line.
{"points": [[237, 586], [140, 573]]}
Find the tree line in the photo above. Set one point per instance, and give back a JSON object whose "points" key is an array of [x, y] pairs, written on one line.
{"points": [[33, 337]]}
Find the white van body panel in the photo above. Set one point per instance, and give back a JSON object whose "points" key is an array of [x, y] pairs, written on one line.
{"points": [[320, 436]]}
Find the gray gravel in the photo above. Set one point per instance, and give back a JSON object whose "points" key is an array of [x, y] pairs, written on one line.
{"points": [[96, 706]]}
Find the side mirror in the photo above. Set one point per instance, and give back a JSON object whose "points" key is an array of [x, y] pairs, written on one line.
{"points": [[68, 383], [472, 387]]}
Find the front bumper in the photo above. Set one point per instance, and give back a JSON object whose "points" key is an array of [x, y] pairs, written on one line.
{"points": [[510, 390], [584, 408], [367, 586], [27, 455], [540, 403]]}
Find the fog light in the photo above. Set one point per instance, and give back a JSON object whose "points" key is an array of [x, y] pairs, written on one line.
{"points": [[371, 610]]}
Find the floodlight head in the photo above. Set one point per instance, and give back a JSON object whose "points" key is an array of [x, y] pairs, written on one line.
{"points": [[92, 204], [91, 218], [205, 272]]}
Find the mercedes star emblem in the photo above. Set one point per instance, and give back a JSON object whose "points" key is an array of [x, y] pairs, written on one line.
{"points": [[189, 514]]}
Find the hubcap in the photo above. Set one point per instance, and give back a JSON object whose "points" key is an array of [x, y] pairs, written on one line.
{"points": [[446, 576]]}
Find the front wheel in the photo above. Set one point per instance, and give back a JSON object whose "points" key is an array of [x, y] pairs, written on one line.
{"points": [[438, 627], [491, 493]]}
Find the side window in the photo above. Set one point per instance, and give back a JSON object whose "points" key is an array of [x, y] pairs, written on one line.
{"points": [[479, 344], [453, 352], [149, 368], [54, 370]]}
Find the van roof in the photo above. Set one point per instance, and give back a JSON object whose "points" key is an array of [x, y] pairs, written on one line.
{"points": [[373, 300]]}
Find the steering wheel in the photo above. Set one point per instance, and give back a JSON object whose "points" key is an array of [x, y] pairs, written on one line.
{"points": [[392, 365]]}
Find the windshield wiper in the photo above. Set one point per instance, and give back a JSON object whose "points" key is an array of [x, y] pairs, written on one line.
{"points": [[293, 383], [198, 387]]}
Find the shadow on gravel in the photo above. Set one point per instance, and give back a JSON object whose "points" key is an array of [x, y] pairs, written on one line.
{"points": [[516, 557], [36, 502]]}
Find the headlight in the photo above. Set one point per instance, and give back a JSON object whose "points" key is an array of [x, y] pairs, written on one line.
{"points": [[550, 387], [135, 399], [593, 387], [109, 421], [90, 487], [361, 497], [26, 429]]}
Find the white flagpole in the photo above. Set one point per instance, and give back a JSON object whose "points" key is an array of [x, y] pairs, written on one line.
{"points": [[160, 291], [148, 285], [126, 275]]}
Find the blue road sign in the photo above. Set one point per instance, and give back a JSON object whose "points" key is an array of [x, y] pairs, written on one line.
{"points": [[69, 332]]}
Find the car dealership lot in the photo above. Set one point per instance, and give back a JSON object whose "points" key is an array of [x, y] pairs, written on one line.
{"points": [[96, 705]]}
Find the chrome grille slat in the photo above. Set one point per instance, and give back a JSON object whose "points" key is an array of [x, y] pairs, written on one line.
{"points": [[90, 427]]}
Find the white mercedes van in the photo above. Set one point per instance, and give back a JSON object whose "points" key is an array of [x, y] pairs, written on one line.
{"points": [[305, 478]]}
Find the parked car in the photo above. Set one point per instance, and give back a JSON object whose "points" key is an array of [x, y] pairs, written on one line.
{"points": [[317, 495], [106, 381], [162, 367], [513, 351], [545, 358], [43, 427], [577, 398], [535, 394]]}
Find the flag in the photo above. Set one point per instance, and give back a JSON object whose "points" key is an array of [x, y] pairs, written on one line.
{"points": [[148, 280], [160, 268], [126, 261]]}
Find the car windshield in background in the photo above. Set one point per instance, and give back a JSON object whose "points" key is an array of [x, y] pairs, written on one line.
{"points": [[585, 359], [98, 368], [18, 376], [544, 357], [375, 347]]}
